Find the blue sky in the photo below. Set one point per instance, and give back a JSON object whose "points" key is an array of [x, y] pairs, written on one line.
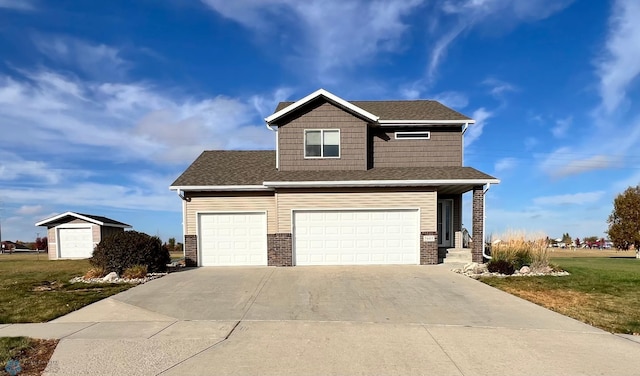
{"points": [[104, 104]]}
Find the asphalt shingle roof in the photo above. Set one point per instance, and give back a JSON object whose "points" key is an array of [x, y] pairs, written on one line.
{"points": [[403, 110], [223, 167]]}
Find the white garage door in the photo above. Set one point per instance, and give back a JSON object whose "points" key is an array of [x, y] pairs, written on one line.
{"points": [[356, 237], [75, 242], [232, 239]]}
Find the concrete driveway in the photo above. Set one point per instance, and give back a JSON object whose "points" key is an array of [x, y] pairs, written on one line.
{"points": [[391, 320]]}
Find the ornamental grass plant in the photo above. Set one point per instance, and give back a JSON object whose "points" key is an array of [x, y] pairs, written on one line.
{"points": [[520, 248]]}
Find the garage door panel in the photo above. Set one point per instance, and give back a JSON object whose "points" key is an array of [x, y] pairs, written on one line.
{"points": [[364, 237], [75, 242], [228, 239]]}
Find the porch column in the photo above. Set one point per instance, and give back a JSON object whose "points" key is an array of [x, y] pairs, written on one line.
{"points": [[478, 224]]}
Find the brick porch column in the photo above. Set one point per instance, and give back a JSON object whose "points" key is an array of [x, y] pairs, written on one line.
{"points": [[478, 225], [191, 250]]}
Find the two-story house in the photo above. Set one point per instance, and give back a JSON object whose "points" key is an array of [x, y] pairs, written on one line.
{"points": [[360, 182]]}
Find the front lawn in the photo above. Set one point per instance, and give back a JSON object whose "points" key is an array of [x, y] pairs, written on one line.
{"points": [[34, 289], [25, 356], [601, 291]]}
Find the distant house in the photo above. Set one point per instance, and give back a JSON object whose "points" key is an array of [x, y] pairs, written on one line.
{"points": [[9, 246], [74, 235]]}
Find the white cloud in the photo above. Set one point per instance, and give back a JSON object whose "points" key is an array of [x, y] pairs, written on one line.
{"points": [[505, 164], [13, 167], [564, 162], [452, 99], [581, 198], [475, 130], [562, 126], [498, 87], [530, 142], [464, 15], [18, 5], [64, 115], [29, 209], [97, 60], [322, 33], [619, 67]]}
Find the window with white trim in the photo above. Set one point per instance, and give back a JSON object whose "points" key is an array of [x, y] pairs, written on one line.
{"points": [[418, 135], [322, 143]]}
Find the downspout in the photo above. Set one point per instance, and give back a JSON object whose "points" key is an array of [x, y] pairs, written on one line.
{"points": [[277, 152], [464, 129], [182, 196], [484, 222]]}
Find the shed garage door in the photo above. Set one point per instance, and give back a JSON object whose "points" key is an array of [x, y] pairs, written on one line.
{"points": [[75, 242], [356, 237], [232, 239]]}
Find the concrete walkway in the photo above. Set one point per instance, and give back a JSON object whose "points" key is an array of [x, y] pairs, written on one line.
{"points": [[392, 320]]}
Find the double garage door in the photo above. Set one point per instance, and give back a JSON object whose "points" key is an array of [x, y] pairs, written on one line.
{"points": [[320, 237]]}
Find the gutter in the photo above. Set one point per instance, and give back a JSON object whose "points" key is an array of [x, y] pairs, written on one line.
{"points": [[182, 196], [484, 222]]}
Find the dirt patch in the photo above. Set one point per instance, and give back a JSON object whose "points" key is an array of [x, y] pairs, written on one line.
{"points": [[48, 286], [557, 300], [33, 360]]}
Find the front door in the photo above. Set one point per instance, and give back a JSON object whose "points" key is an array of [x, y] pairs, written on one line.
{"points": [[445, 223]]}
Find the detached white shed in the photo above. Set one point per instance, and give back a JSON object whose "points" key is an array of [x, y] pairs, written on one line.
{"points": [[73, 235]]}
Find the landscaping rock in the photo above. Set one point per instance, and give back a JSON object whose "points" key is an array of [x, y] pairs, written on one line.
{"points": [[110, 277], [148, 278], [475, 270]]}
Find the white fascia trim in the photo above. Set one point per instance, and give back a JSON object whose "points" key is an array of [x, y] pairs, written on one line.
{"points": [[72, 214], [376, 183], [422, 122], [329, 96], [212, 188]]}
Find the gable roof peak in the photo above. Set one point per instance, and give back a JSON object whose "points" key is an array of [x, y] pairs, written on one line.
{"points": [[322, 93]]}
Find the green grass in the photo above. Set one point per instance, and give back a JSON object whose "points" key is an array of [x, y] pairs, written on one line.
{"points": [[10, 347], [604, 292], [34, 289]]}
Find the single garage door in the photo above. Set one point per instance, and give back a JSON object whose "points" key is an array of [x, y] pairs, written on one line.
{"points": [[75, 242], [232, 239], [356, 237]]}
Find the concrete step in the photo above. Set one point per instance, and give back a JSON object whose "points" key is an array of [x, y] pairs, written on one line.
{"points": [[458, 255]]}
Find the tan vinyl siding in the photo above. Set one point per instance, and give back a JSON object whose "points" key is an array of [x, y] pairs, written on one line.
{"points": [[444, 148], [95, 234], [230, 202], [357, 199], [353, 139], [51, 243]]}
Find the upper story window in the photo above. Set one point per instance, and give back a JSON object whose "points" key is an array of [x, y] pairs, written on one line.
{"points": [[419, 135], [322, 143]]}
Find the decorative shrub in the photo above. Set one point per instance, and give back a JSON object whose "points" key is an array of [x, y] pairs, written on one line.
{"points": [[500, 266], [520, 249], [123, 250], [135, 272], [94, 273]]}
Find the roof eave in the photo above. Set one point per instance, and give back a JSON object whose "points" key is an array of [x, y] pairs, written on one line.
{"points": [[71, 214], [379, 183], [424, 122], [214, 188], [321, 93]]}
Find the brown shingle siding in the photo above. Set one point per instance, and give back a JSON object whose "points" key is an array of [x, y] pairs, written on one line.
{"points": [[323, 116], [444, 148]]}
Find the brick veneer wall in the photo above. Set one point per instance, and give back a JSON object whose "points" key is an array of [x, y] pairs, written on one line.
{"points": [[280, 249], [191, 250], [428, 250], [478, 221]]}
